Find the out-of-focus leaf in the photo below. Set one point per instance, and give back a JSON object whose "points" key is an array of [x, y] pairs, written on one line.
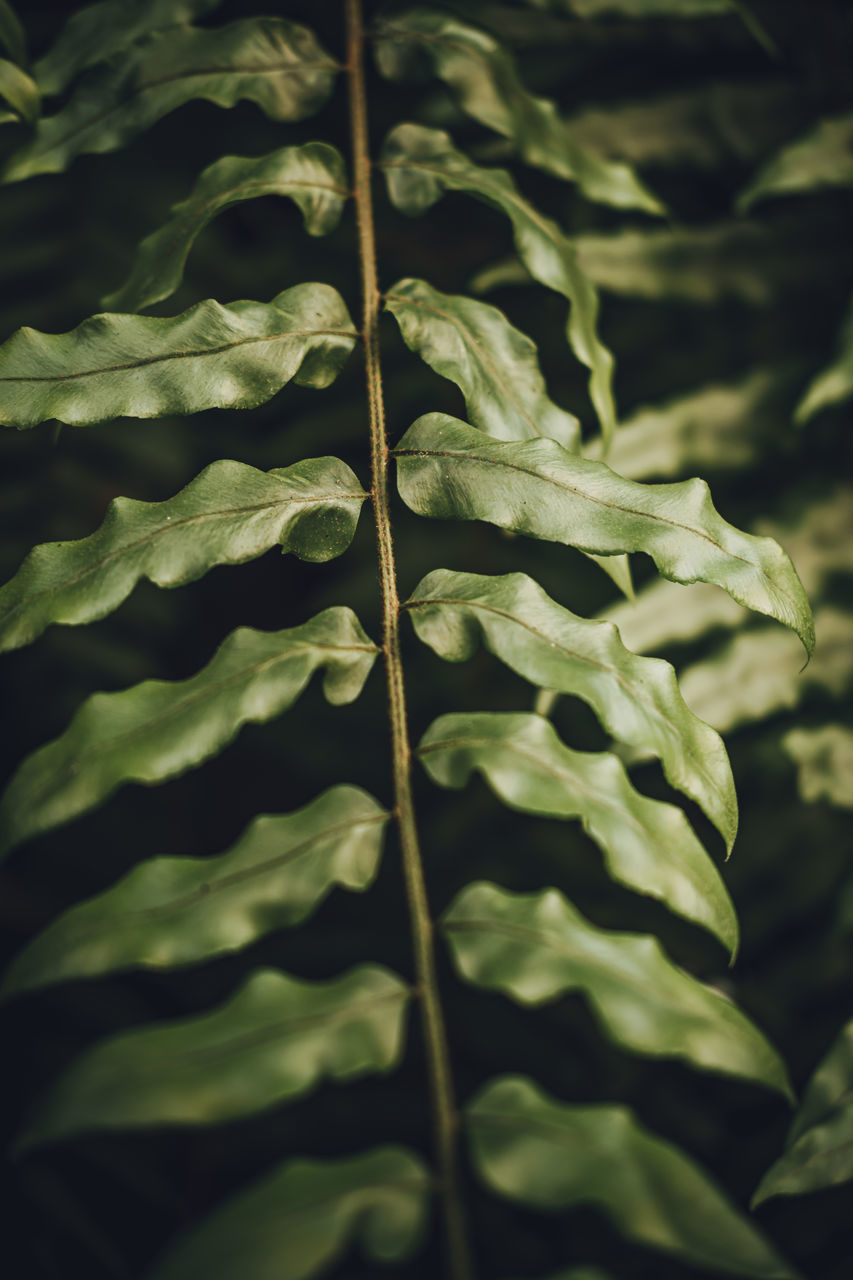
{"points": [[823, 158], [549, 1156], [820, 1144], [535, 947], [276, 1039], [99, 31], [824, 759], [211, 356], [229, 514], [637, 699], [20, 91], [12, 34], [299, 1220], [174, 911], [495, 365], [273, 62], [483, 76], [448, 470], [640, 8], [313, 176], [647, 845], [834, 384], [420, 164], [159, 729]]}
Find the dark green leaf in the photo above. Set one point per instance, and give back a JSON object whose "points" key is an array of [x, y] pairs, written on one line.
{"points": [[824, 758], [551, 1156], [313, 176], [420, 164], [448, 470], [159, 729], [642, 8], [834, 384], [12, 34], [823, 158], [274, 63], [174, 911], [647, 844], [20, 91], [210, 356]]}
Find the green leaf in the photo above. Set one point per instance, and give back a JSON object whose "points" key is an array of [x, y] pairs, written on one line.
{"points": [[313, 176], [824, 759], [229, 514], [420, 164], [647, 845], [820, 1145], [536, 947], [175, 911], [483, 76], [542, 1153], [495, 365], [447, 470], [20, 91], [159, 729], [98, 32], [274, 63], [276, 1039], [834, 384], [637, 699], [643, 8], [823, 158], [12, 34], [299, 1220], [211, 356]]}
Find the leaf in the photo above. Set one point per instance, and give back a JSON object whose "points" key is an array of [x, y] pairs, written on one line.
{"points": [[495, 365], [313, 176], [483, 77], [209, 357], [229, 514], [647, 845], [99, 31], [274, 63], [834, 384], [296, 1222], [536, 947], [175, 911], [276, 1039], [20, 91], [159, 729], [823, 158], [820, 1145], [637, 699], [446, 470], [824, 759], [645, 8], [420, 164], [12, 34], [551, 1156]]}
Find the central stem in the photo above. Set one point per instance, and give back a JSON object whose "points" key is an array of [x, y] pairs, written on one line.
{"points": [[432, 1017]]}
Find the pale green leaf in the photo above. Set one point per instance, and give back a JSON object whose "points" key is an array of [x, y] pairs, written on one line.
{"points": [[420, 164], [12, 34], [174, 911], [824, 759], [99, 31], [823, 158], [448, 470], [20, 91], [637, 699], [211, 356], [647, 845], [229, 514], [536, 947], [483, 76], [313, 176], [550, 1156], [298, 1221], [276, 1039], [665, 612], [274, 63], [159, 729], [834, 384]]}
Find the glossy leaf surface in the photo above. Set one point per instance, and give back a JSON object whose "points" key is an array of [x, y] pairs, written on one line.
{"points": [[209, 357], [20, 91], [823, 158], [312, 175], [535, 947], [445, 469], [495, 365], [647, 845], [483, 76], [308, 1213], [824, 759], [174, 911], [229, 514], [274, 63], [550, 1156], [420, 164], [159, 729], [276, 1039]]}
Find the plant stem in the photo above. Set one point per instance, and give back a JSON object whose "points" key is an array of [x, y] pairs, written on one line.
{"points": [[445, 1123]]}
